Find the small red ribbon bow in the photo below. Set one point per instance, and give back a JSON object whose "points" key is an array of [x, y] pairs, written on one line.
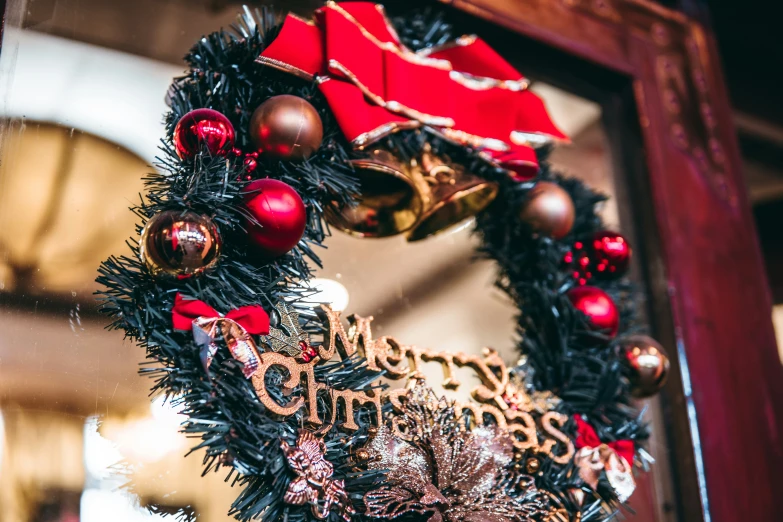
{"points": [[463, 91], [253, 318], [613, 458], [587, 437], [236, 327]]}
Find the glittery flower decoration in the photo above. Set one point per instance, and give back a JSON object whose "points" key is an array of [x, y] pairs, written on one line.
{"points": [[314, 484], [440, 470]]}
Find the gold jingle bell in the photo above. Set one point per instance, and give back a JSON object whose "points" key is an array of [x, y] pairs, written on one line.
{"points": [[390, 203], [449, 194], [423, 198]]}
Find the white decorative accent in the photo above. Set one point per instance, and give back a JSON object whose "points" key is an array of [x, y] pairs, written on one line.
{"points": [[529, 138], [328, 291]]}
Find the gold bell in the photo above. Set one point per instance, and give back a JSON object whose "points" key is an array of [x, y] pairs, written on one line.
{"points": [[390, 202], [448, 193]]}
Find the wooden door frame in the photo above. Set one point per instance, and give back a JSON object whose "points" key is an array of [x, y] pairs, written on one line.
{"points": [[726, 406]]}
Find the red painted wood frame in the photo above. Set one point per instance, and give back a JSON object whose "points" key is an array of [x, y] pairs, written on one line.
{"points": [[730, 390]]}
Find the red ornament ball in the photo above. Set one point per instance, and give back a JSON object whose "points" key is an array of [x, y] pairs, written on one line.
{"points": [[203, 129], [279, 216], [611, 254], [599, 308]]}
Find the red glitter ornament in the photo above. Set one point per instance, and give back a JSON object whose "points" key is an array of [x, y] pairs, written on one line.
{"points": [[279, 216], [599, 308], [607, 256], [203, 129], [611, 254], [579, 263]]}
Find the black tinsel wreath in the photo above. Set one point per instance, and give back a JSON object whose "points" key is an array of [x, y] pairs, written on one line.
{"points": [[233, 427]]}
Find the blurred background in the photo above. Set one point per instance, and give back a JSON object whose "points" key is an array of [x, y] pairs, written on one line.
{"points": [[82, 84]]}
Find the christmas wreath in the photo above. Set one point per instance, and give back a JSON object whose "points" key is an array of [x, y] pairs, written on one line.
{"points": [[378, 126]]}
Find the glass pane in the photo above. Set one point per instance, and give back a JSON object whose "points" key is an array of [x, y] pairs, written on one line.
{"points": [[82, 93]]}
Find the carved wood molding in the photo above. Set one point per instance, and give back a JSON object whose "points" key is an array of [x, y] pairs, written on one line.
{"points": [[682, 68], [681, 61]]}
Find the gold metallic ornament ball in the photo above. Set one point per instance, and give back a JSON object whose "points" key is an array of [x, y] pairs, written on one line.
{"points": [[533, 465], [286, 127], [179, 244], [549, 210], [647, 364]]}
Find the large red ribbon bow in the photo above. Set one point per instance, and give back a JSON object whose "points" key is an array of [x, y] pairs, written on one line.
{"points": [[237, 328], [613, 458], [463, 91]]}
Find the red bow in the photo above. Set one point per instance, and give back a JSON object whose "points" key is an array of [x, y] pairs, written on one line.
{"points": [[587, 437], [594, 457], [253, 318], [464, 91], [236, 327]]}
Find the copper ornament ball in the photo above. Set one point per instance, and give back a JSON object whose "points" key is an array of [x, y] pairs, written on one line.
{"points": [[647, 363], [286, 127], [179, 244], [549, 210]]}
